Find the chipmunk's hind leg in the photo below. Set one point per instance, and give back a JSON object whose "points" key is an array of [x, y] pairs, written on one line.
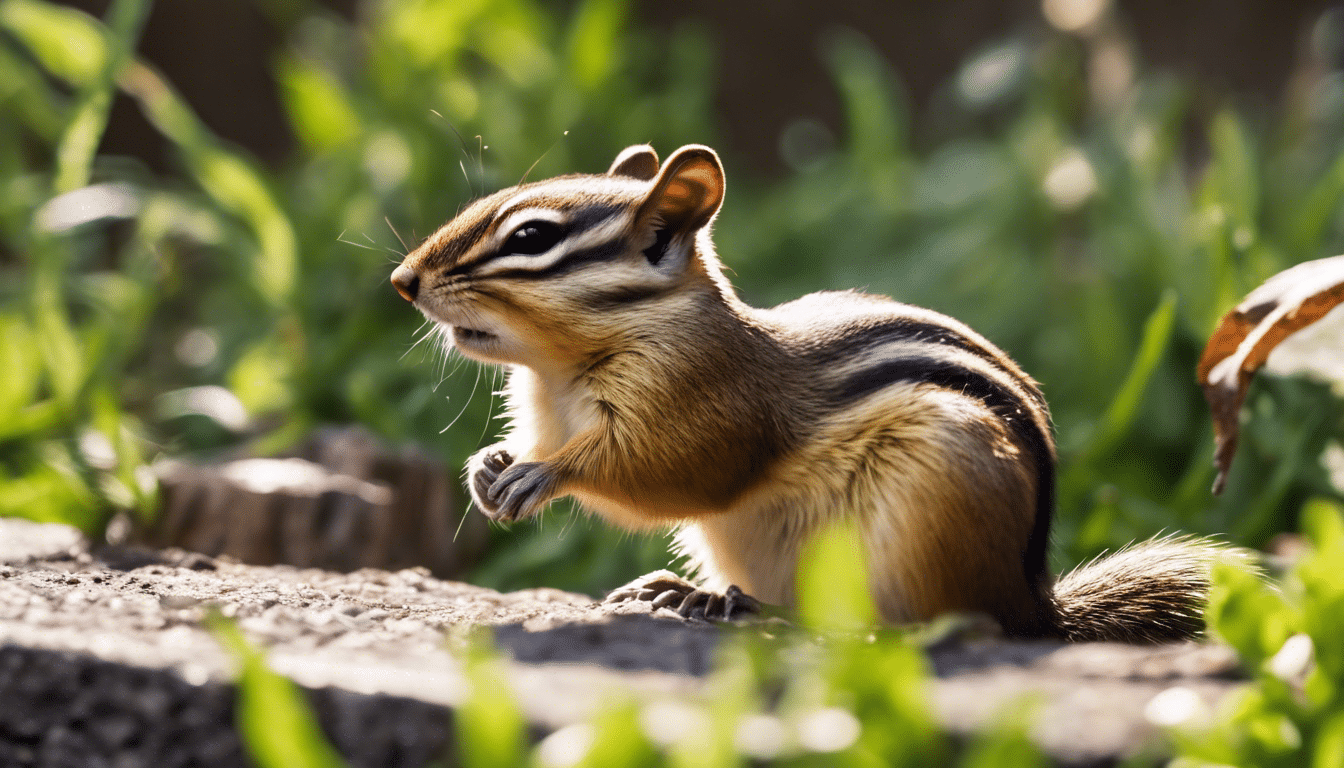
{"points": [[949, 516]]}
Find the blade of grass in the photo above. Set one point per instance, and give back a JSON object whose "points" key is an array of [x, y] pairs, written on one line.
{"points": [[1120, 415], [594, 40], [490, 726], [227, 177], [79, 144], [67, 42], [1124, 407], [874, 112], [275, 721], [833, 589]]}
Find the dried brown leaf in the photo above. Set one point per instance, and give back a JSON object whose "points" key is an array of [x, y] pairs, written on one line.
{"points": [[1281, 306]]}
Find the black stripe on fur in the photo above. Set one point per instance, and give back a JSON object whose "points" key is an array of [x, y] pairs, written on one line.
{"points": [[1005, 404]]}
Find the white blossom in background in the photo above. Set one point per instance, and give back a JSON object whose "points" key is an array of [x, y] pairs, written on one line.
{"points": [[87, 205], [1073, 15], [210, 400], [993, 73], [97, 450], [1071, 181], [198, 347]]}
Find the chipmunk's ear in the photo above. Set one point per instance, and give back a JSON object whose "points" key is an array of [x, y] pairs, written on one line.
{"points": [[637, 162], [686, 193]]}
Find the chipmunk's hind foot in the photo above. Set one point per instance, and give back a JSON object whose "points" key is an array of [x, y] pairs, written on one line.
{"points": [[664, 589]]}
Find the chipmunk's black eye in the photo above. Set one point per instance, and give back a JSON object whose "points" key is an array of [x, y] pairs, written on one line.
{"points": [[532, 238]]}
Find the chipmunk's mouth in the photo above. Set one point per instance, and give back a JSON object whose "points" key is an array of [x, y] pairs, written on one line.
{"points": [[466, 328], [472, 338]]}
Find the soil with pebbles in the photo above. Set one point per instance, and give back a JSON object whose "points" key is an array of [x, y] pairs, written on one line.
{"points": [[105, 660]]}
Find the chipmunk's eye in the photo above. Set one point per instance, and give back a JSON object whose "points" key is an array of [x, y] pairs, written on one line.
{"points": [[532, 238]]}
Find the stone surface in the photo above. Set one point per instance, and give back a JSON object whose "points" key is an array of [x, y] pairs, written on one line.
{"points": [[1093, 702], [105, 654]]}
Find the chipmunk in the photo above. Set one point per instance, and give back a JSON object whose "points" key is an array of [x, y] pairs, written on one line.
{"points": [[642, 386]]}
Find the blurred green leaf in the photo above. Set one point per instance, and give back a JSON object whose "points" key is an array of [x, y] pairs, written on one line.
{"points": [[1288, 638], [22, 364], [274, 718], [490, 727], [68, 42], [228, 178], [1008, 744], [1322, 521], [319, 106], [1311, 213], [594, 40], [833, 591], [874, 109], [261, 378], [619, 741], [51, 492], [1322, 579], [74, 155], [1329, 751], [66, 365], [1247, 614], [233, 182], [511, 38], [1120, 416], [430, 32], [1233, 175]]}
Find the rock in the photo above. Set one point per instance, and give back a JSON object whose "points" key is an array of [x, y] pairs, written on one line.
{"points": [[1093, 702], [104, 655], [35, 541]]}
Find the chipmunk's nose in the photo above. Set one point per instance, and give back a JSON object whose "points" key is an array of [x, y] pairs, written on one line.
{"points": [[406, 282]]}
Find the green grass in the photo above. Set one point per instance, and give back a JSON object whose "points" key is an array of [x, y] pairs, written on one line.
{"points": [[1105, 296], [1288, 639]]}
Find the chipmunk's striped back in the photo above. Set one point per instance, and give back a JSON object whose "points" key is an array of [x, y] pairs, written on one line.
{"points": [[641, 385], [861, 345]]}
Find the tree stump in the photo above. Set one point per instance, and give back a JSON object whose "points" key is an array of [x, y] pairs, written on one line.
{"points": [[345, 503]]}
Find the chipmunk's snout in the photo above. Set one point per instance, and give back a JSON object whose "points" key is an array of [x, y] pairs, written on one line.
{"points": [[406, 282]]}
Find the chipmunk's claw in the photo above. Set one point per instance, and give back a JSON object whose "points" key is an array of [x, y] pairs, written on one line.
{"points": [[520, 491], [663, 589], [493, 462]]}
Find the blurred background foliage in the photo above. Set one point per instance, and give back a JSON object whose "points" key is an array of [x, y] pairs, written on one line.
{"points": [[1092, 216]]}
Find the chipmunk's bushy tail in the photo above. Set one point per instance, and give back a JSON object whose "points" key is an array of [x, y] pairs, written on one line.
{"points": [[1146, 593]]}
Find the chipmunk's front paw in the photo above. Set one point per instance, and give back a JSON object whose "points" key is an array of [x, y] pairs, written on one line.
{"points": [[485, 469], [520, 491], [664, 589]]}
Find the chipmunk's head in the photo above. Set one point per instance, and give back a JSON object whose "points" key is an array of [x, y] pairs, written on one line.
{"points": [[547, 271]]}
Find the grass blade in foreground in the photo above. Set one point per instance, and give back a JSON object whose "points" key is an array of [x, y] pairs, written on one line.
{"points": [[490, 727], [833, 581], [276, 723]]}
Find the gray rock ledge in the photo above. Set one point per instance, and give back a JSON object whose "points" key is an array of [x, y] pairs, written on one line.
{"points": [[104, 661]]}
